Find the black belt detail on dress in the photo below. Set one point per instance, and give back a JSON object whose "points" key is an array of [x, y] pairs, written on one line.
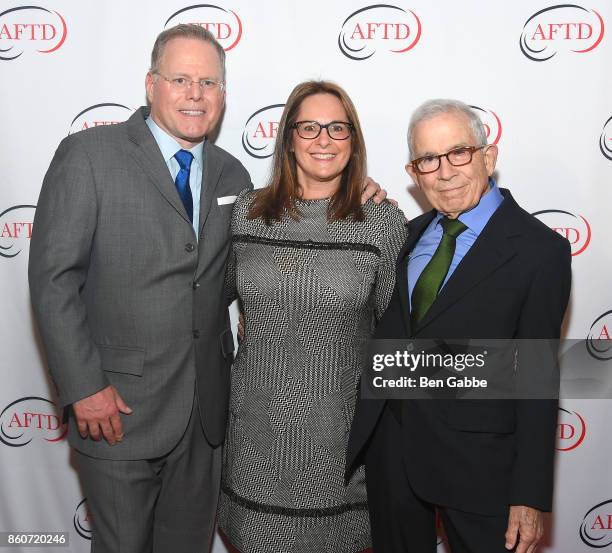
{"points": [[307, 244], [289, 511]]}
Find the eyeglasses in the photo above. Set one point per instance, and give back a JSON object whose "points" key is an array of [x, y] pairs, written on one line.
{"points": [[337, 130], [182, 84], [456, 157]]}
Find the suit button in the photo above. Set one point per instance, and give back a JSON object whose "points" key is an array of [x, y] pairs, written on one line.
{"points": [[189, 247], [195, 285], [196, 333]]}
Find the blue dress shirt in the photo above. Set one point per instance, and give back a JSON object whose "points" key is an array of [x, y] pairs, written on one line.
{"points": [[169, 146], [475, 219]]}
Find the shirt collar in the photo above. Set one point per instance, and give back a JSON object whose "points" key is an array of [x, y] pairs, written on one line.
{"points": [[477, 217], [169, 146]]}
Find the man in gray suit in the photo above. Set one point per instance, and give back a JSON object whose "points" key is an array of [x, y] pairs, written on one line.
{"points": [[127, 265]]}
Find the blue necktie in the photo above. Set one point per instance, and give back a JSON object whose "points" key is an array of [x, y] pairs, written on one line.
{"points": [[184, 159]]}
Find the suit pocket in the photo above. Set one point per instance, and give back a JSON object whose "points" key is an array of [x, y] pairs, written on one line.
{"points": [[122, 360], [227, 343], [482, 416], [225, 210]]}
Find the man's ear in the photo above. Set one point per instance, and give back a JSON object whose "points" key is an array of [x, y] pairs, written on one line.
{"points": [[413, 174], [149, 82], [490, 158]]}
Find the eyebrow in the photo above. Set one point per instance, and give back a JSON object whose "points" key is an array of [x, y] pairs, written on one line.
{"points": [[186, 76], [458, 145]]}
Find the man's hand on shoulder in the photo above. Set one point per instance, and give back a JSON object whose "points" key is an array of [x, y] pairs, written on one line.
{"points": [[371, 189], [98, 415], [525, 527]]}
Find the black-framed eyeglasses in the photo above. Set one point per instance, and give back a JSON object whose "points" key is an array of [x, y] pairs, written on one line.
{"points": [[337, 130], [456, 157]]}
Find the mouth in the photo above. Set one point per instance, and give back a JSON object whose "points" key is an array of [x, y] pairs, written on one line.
{"points": [[323, 156], [451, 190], [192, 112]]}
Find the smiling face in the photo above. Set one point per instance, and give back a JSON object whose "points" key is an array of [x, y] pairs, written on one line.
{"points": [[451, 190], [320, 161], [187, 115]]}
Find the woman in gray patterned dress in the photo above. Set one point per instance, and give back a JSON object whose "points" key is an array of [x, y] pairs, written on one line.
{"points": [[313, 270]]}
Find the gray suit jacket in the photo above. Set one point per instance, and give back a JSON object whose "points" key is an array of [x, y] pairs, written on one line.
{"points": [[123, 292]]}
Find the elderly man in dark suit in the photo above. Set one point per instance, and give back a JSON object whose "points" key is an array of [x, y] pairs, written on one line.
{"points": [[476, 266], [127, 267]]}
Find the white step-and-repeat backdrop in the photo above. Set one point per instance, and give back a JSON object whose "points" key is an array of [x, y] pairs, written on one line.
{"points": [[537, 72]]}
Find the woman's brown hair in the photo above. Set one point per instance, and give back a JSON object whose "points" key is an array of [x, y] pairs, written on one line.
{"points": [[283, 189]]}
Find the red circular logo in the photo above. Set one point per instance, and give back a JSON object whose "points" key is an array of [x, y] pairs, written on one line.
{"points": [[225, 25], [30, 29]]}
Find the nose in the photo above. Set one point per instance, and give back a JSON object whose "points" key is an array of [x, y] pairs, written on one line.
{"points": [[446, 171], [323, 139], [194, 92]]}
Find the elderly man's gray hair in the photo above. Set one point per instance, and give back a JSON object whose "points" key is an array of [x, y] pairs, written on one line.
{"points": [[433, 108]]}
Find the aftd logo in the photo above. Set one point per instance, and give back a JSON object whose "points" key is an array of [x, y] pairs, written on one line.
{"points": [[379, 26], [99, 115], [30, 29], [82, 520], [225, 25], [596, 527], [260, 131], [598, 342], [575, 228], [29, 417], [491, 122], [605, 140], [561, 28], [571, 430], [15, 229]]}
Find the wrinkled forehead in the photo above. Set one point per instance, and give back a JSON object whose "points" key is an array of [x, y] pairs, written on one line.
{"points": [[443, 131]]}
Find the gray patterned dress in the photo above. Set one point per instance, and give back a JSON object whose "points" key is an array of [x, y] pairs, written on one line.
{"points": [[311, 291]]}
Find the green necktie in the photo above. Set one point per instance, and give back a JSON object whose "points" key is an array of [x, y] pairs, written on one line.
{"points": [[430, 281]]}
